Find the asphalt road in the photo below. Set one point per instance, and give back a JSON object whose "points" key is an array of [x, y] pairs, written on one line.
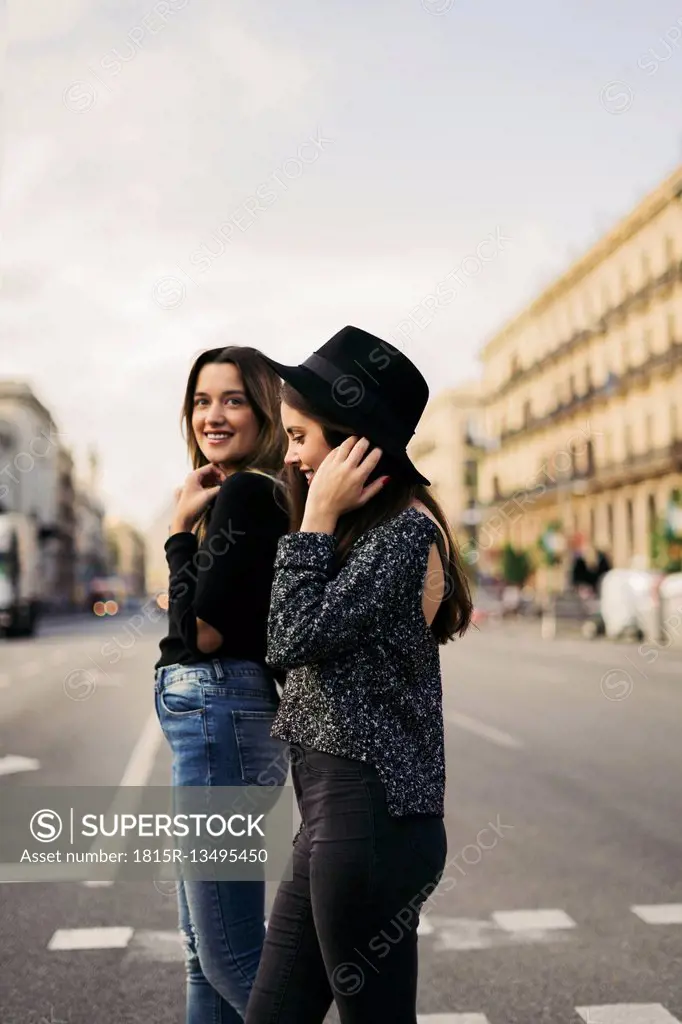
{"points": [[562, 899]]}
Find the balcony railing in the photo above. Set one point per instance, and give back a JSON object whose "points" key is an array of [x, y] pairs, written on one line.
{"points": [[612, 315], [612, 386], [632, 469]]}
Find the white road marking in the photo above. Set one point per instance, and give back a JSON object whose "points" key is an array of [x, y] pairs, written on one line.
{"points": [[141, 761], [10, 764], [626, 1013], [478, 728], [452, 1018], [97, 883], [532, 920], [90, 938], [164, 946], [457, 934], [424, 927], [659, 913]]}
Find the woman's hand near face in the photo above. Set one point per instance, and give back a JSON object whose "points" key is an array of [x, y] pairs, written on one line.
{"points": [[338, 485], [200, 487]]}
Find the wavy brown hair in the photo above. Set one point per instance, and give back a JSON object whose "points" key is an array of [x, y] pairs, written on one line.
{"points": [[454, 615], [262, 387]]}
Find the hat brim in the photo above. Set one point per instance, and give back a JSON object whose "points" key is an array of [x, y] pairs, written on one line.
{"points": [[316, 391]]}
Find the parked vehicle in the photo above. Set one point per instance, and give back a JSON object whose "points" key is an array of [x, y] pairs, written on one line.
{"points": [[20, 574], [629, 603]]}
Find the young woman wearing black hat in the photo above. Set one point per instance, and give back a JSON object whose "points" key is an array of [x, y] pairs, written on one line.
{"points": [[367, 585], [215, 697]]}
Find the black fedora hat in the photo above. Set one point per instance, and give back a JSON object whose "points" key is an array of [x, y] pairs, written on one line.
{"points": [[367, 384]]}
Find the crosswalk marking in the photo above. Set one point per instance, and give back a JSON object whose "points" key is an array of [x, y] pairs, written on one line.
{"points": [[160, 946], [626, 1013], [530, 920], [482, 729], [452, 1018], [659, 913], [90, 938]]}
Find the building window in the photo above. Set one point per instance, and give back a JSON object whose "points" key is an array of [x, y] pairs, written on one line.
{"points": [[628, 441], [649, 432], [647, 345], [608, 449], [670, 321], [471, 474], [589, 458], [674, 423], [651, 513], [588, 378], [630, 526], [593, 527], [646, 268], [527, 412], [669, 252], [609, 524], [497, 493], [571, 387]]}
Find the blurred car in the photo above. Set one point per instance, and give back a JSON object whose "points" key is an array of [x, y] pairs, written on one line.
{"points": [[629, 603]]}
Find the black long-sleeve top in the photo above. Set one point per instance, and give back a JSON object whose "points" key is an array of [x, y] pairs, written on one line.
{"points": [[227, 580], [364, 676]]}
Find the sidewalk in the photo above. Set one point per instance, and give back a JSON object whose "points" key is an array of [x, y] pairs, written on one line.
{"points": [[531, 628]]}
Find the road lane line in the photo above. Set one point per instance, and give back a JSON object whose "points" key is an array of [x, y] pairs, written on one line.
{"points": [[659, 913], [141, 762], [487, 732], [452, 1018], [90, 938], [627, 1013], [532, 920]]}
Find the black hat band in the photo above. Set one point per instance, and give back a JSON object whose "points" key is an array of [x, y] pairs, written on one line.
{"points": [[369, 402]]}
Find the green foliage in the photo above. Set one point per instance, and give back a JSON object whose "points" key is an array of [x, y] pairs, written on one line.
{"points": [[516, 565], [665, 546]]}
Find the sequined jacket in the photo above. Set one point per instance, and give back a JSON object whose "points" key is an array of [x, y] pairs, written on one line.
{"points": [[363, 677]]}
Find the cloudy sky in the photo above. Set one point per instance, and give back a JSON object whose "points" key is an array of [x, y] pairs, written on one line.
{"points": [[181, 174]]}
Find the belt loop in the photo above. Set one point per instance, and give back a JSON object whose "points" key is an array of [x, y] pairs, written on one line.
{"points": [[218, 668]]}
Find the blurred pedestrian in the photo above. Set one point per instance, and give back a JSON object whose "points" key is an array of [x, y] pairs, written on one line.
{"points": [[602, 567], [215, 697], [367, 586]]}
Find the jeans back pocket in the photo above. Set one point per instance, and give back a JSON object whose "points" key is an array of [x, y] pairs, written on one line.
{"points": [[263, 759]]}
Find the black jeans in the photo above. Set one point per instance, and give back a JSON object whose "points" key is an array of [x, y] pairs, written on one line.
{"points": [[345, 927]]}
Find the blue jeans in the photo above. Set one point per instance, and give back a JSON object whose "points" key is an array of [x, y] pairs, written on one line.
{"points": [[217, 716]]}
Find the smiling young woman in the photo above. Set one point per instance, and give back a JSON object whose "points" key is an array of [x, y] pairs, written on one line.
{"points": [[215, 697]]}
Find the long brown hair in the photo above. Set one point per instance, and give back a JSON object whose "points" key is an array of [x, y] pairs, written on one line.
{"points": [[454, 615], [262, 387]]}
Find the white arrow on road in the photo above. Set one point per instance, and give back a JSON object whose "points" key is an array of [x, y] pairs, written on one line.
{"points": [[12, 763]]}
